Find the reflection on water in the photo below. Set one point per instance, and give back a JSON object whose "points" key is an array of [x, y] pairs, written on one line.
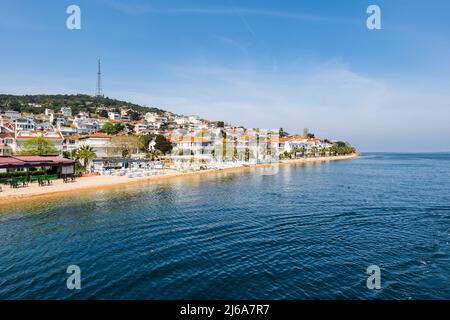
{"points": [[309, 231]]}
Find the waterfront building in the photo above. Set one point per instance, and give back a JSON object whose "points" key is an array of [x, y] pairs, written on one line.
{"points": [[190, 145], [100, 143], [102, 165], [53, 164]]}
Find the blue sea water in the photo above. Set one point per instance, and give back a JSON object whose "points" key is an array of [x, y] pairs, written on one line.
{"points": [[307, 232]]}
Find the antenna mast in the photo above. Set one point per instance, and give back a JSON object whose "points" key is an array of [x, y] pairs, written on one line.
{"points": [[99, 90]]}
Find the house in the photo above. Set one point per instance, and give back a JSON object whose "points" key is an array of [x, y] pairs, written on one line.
{"points": [[22, 136], [192, 145], [6, 140], [180, 120], [5, 126], [114, 116], [43, 126], [194, 119], [288, 144], [68, 131], [82, 115], [144, 127], [100, 143], [66, 111], [13, 115], [24, 124], [85, 126], [155, 119], [70, 143], [151, 116]]}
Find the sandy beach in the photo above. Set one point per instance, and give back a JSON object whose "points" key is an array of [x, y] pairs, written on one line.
{"points": [[89, 184]]}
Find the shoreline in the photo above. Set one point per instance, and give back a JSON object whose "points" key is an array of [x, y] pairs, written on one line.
{"points": [[89, 184]]}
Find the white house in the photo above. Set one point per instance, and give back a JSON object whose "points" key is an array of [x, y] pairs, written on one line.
{"points": [[24, 124], [66, 111], [13, 115], [6, 143], [71, 143], [115, 116], [101, 143], [145, 127], [190, 145]]}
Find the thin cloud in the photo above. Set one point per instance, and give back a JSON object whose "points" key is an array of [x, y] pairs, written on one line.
{"points": [[130, 8], [140, 8]]}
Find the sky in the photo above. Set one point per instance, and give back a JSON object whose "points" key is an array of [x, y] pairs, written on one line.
{"points": [[257, 63]]}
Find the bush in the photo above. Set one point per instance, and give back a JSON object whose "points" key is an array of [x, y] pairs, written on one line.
{"points": [[22, 173], [79, 168]]}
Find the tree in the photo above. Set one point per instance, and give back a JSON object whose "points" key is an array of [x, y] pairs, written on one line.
{"points": [[125, 145], [39, 146], [164, 126], [77, 102], [103, 113], [134, 116], [109, 128], [285, 155], [66, 154], [85, 154], [119, 127], [129, 127], [342, 148], [220, 124], [153, 155], [146, 139], [161, 143], [310, 136], [283, 133], [303, 150]]}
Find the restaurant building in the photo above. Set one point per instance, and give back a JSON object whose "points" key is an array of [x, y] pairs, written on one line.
{"points": [[53, 164]]}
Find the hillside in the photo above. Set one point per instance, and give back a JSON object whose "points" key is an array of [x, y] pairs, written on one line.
{"points": [[79, 102]]}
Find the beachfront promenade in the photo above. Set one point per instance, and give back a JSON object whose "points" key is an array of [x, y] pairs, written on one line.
{"points": [[92, 183]]}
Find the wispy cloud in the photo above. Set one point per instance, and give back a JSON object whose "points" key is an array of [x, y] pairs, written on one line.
{"points": [[329, 98], [130, 7], [231, 43]]}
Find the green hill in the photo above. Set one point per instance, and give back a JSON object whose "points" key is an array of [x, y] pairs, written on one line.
{"points": [[79, 102]]}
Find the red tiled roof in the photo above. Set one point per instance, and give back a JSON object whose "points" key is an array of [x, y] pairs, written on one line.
{"points": [[58, 159], [4, 161], [22, 160], [96, 135], [31, 137]]}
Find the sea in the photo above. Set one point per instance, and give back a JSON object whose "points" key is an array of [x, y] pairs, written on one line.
{"points": [[296, 232]]}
